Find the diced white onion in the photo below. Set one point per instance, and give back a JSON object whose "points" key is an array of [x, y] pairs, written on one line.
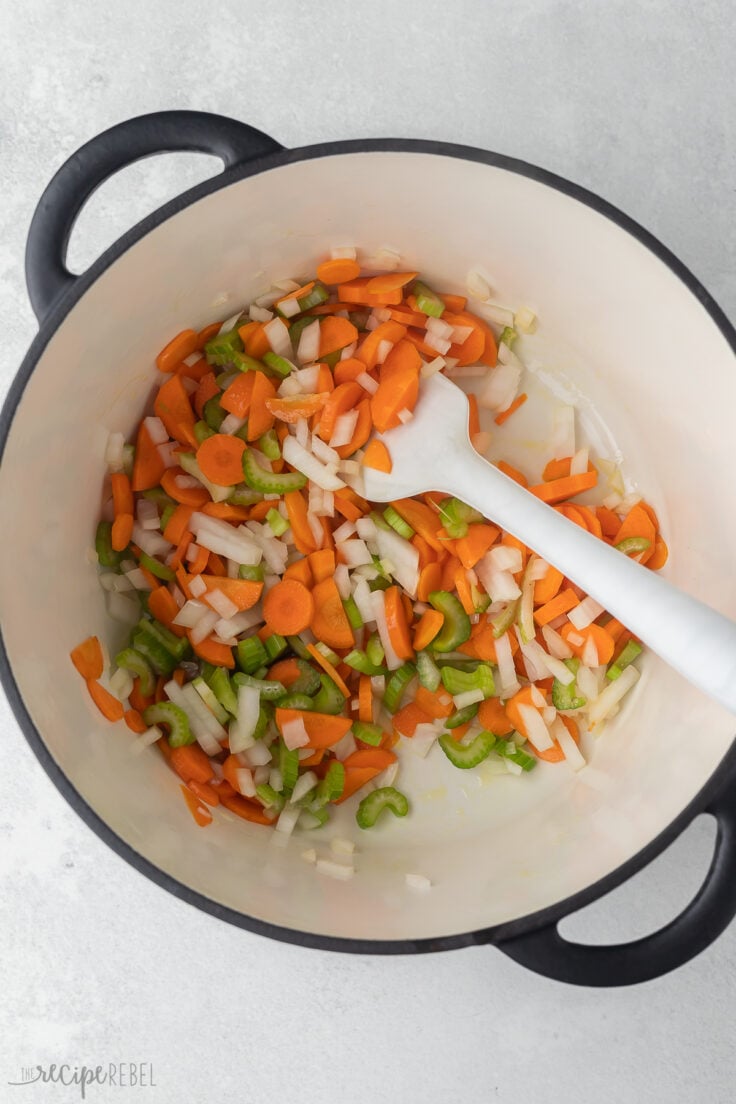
{"points": [[197, 586], [231, 424], [222, 538], [343, 531], [439, 344], [556, 645], [354, 553], [367, 383], [418, 882], [569, 748], [477, 286], [579, 462], [525, 320], [308, 347], [441, 329], [538, 698], [424, 738], [147, 514], [344, 252], [405, 415], [310, 466], [363, 600], [276, 780], [204, 626], [334, 870], [294, 733], [501, 388], [277, 334], [378, 606], [114, 454], [138, 579], [287, 819], [538, 569], [590, 652], [535, 727], [344, 429], [120, 684], [384, 260], [500, 316], [157, 431], [323, 451], [151, 736], [563, 432], [258, 755], [234, 626], [244, 725], [612, 695], [504, 557], [384, 348], [468, 697], [190, 614], [289, 307], [304, 783], [550, 664], [244, 778], [508, 681], [259, 314], [575, 639], [460, 334], [151, 543], [585, 613], [404, 557], [221, 604]]}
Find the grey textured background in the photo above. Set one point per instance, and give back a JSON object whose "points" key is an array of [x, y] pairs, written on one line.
{"points": [[635, 101]]}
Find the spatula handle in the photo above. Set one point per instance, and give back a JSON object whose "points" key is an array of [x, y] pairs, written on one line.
{"points": [[694, 639]]}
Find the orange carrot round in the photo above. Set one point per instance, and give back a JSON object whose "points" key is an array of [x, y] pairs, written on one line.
{"points": [[221, 459], [330, 622], [377, 456], [338, 270], [335, 333], [87, 658], [391, 281], [108, 706], [181, 346], [288, 607], [122, 531]]}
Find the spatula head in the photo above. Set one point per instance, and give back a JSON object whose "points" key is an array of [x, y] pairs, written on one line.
{"points": [[422, 448]]}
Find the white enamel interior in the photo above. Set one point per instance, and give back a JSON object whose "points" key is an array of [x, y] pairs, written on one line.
{"points": [[617, 326]]}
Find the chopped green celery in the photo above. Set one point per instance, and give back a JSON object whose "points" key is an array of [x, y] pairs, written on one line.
{"points": [[507, 749], [221, 348], [456, 516], [462, 716], [316, 295], [210, 700], [213, 413], [275, 645], [468, 755], [630, 652], [297, 328], [222, 688], [567, 697], [456, 629], [428, 301], [508, 336], [457, 681], [269, 689], [308, 681], [206, 670], [242, 433], [396, 686], [381, 582], [174, 718], [481, 601], [278, 364], [373, 805], [161, 648], [244, 496], [166, 515], [632, 546], [327, 652], [269, 797], [353, 613], [159, 496], [288, 763], [368, 733], [245, 363], [269, 445], [277, 524], [265, 716], [313, 818], [226, 378], [202, 431], [330, 788], [295, 701], [250, 654], [270, 482], [330, 698], [396, 522], [188, 461], [106, 555], [429, 673], [359, 319], [253, 572], [128, 458], [138, 666], [374, 649], [359, 661], [298, 646], [261, 673], [160, 570], [525, 610], [332, 359], [503, 621]]}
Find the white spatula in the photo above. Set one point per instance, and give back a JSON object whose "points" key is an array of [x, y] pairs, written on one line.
{"points": [[432, 452]]}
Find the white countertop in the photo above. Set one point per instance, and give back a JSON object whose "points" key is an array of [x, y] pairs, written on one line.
{"points": [[98, 964]]}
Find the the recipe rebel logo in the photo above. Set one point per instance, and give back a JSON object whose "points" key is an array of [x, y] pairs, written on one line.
{"points": [[118, 1075]]}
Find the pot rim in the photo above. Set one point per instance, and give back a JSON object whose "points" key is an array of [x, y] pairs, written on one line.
{"points": [[54, 319]]}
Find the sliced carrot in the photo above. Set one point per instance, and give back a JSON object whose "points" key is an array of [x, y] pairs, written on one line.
{"points": [[173, 407], [329, 621], [402, 357], [454, 302], [197, 808], [649, 511], [377, 456], [361, 433], [422, 519], [255, 342], [259, 510], [473, 416], [135, 721], [591, 520], [220, 458], [212, 652], [464, 593], [206, 389], [137, 700], [108, 706], [122, 531], [208, 333], [181, 346], [244, 593], [494, 718], [194, 371], [296, 509], [614, 628], [295, 407], [338, 270], [430, 578], [225, 512], [406, 719], [525, 696], [178, 523], [546, 588], [205, 792], [479, 345], [199, 563], [188, 496], [397, 624], [247, 810], [476, 542], [659, 556], [322, 564], [343, 398], [329, 669], [122, 495], [562, 603], [348, 370], [557, 490], [407, 317], [236, 397], [609, 521], [560, 469], [386, 331], [148, 467], [288, 607], [379, 758], [638, 523], [163, 607], [323, 729], [189, 762], [427, 628], [355, 779], [555, 754], [512, 473], [300, 570], [391, 281], [297, 293], [396, 393], [356, 291], [217, 566], [603, 641], [286, 671], [365, 700], [87, 658], [436, 704], [260, 418], [506, 414], [336, 333]]}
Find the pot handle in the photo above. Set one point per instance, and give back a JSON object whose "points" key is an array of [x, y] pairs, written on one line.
{"points": [[47, 276], [702, 921]]}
